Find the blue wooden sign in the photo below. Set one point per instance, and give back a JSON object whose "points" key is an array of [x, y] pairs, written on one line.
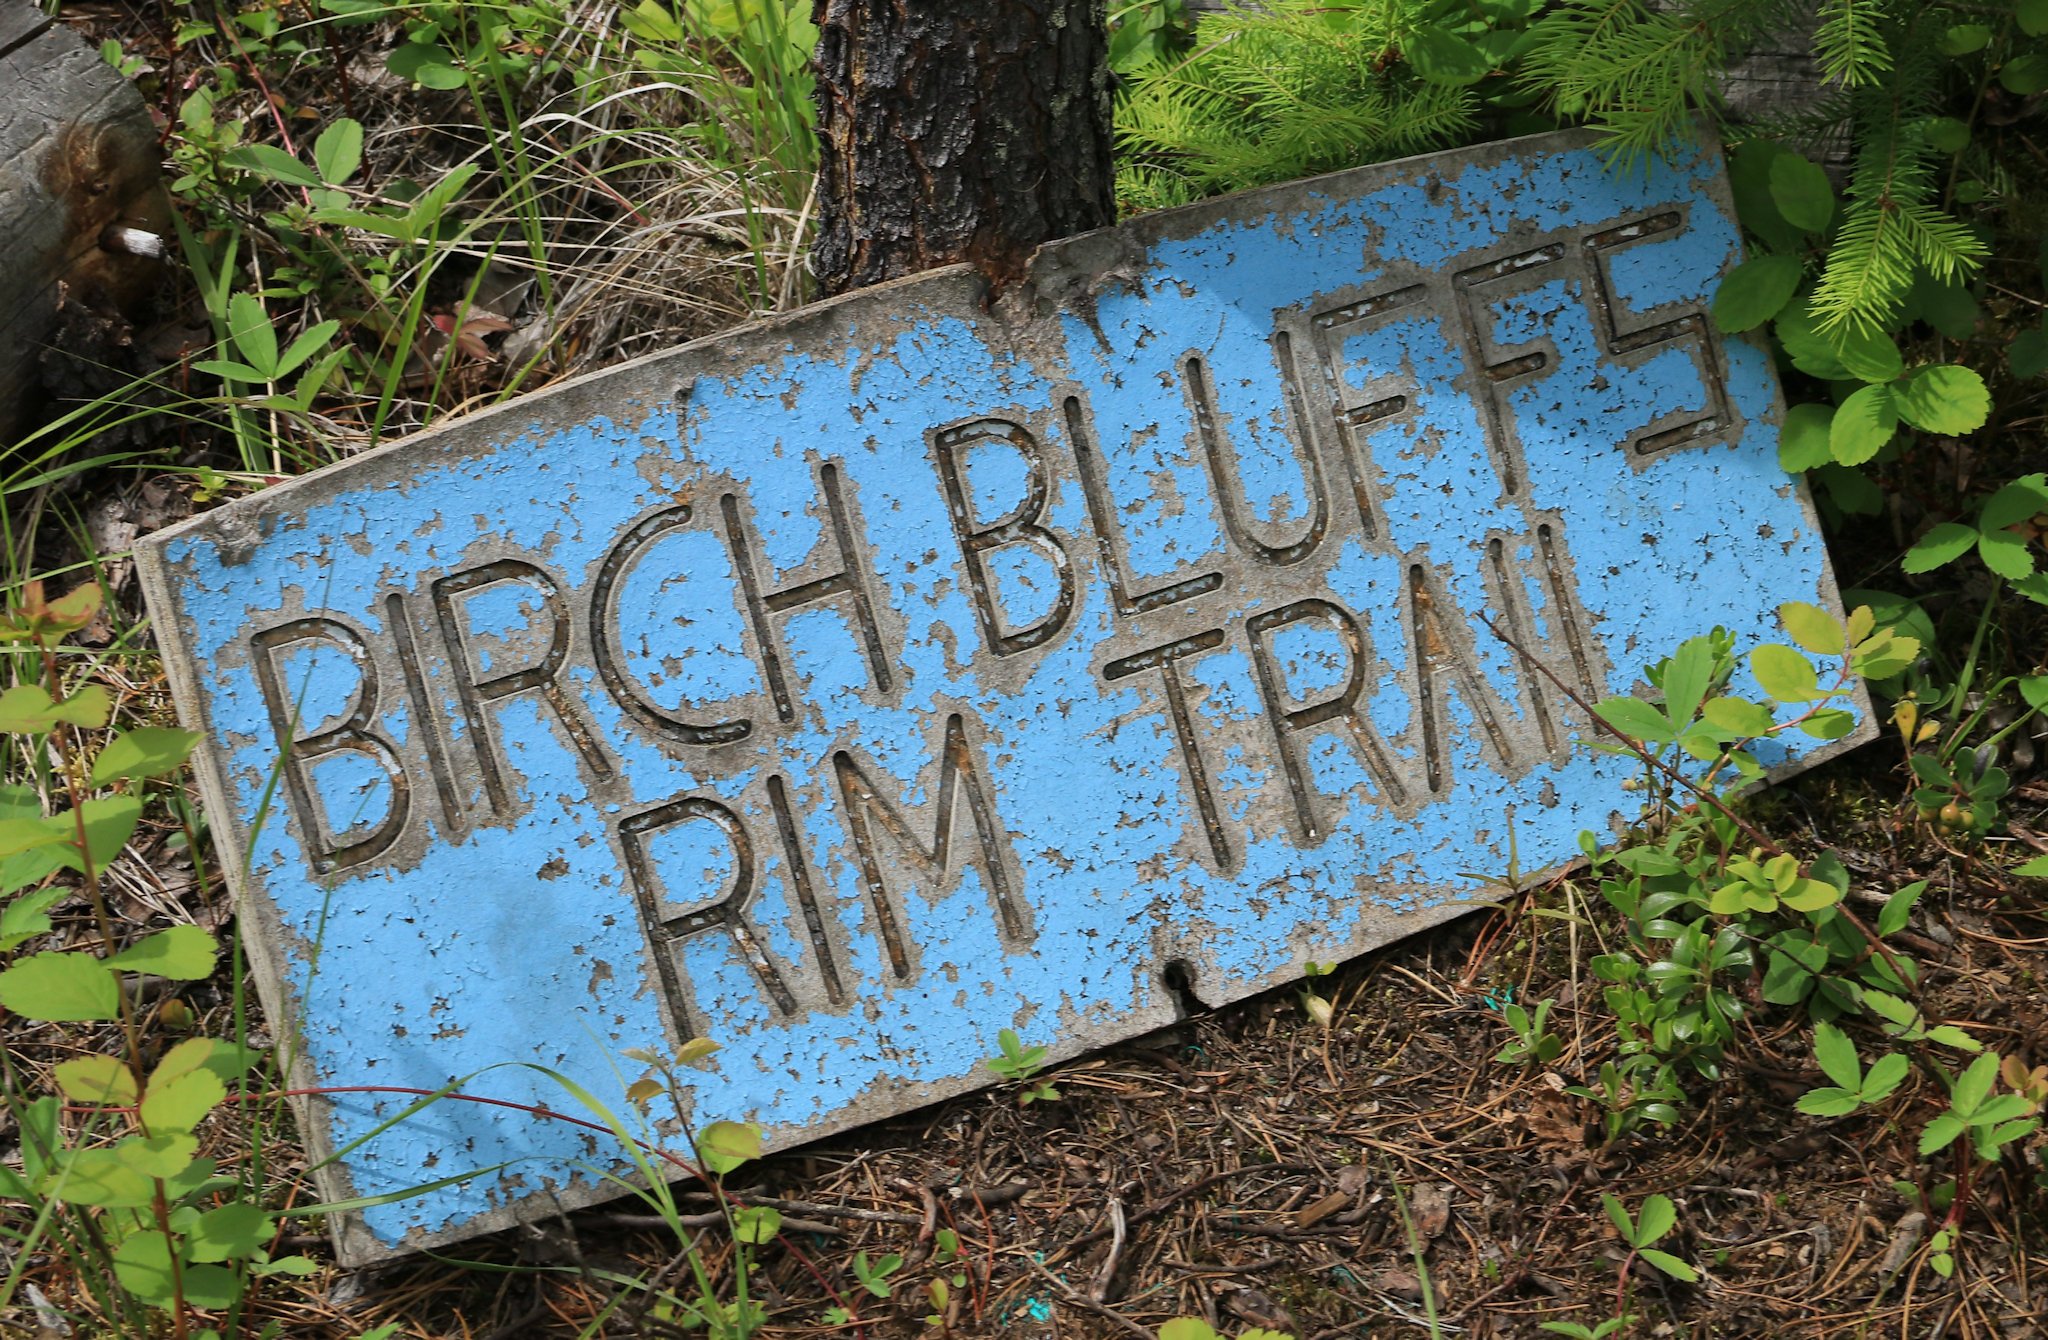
{"points": [[857, 685]]}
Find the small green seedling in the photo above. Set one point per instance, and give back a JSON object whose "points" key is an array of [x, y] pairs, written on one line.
{"points": [[1533, 1039], [1854, 1087], [1992, 1123], [874, 1275], [1606, 1328], [1021, 1065], [1659, 1217]]}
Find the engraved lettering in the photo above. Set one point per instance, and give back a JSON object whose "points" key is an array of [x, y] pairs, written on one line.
{"points": [[326, 849], [844, 582], [1343, 706], [669, 928], [1625, 333], [960, 780], [1355, 411], [1437, 633], [1229, 480], [545, 676], [1166, 659], [1102, 515], [605, 628], [1020, 525]]}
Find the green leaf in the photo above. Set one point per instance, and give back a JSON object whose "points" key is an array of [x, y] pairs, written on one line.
{"points": [[1943, 398], [1837, 1056], [1739, 716], [1869, 355], [2024, 75], [1188, 1328], [1803, 444], [182, 953], [1827, 1102], [1812, 627], [2034, 869], [1964, 38], [109, 822], [98, 1177], [1898, 909], [255, 338], [725, 1145], [306, 345], [267, 160], [1973, 1085], [1947, 134], [1441, 57], [99, 1080], [2033, 16], [1671, 1265], [1784, 673], [26, 917], [182, 1103], [27, 709], [1939, 1134], [755, 1224], [1617, 1213], [1811, 351], [1886, 1074], [1829, 723], [1801, 190], [1658, 1217], [60, 986], [339, 151], [228, 1233], [158, 1156], [1755, 291], [2005, 554], [1862, 425], [435, 75], [1944, 544], [143, 1266], [1636, 719], [146, 751]]}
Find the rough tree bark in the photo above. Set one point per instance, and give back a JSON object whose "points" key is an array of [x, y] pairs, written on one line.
{"points": [[957, 131]]}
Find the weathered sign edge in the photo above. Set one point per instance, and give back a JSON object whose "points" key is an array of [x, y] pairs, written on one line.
{"points": [[1055, 270]]}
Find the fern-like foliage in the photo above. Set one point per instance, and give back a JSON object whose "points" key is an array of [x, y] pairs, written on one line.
{"points": [[1893, 226], [1849, 41], [1294, 88], [1642, 72]]}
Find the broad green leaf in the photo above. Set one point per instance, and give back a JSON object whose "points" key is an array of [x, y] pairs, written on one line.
{"points": [[1803, 445], [2002, 1108], [158, 1156], [1749, 175], [2005, 554], [311, 342], [1671, 1265], [1657, 1217], [1617, 1213], [1837, 1056], [339, 151], [1947, 134], [228, 1233], [181, 1104], [2033, 16], [1829, 723], [1898, 909], [1862, 425], [28, 709], [182, 953], [146, 751], [1755, 291], [2024, 75], [143, 1266], [1964, 38], [1441, 57], [1939, 1134], [1784, 673], [1943, 398], [1944, 544], [1811, 350], [1886, 1074], [1188, 1328], [60, 986], [98, 1177], [1801, 190], [756, 1224], [255, 338], [696, 1052], [267, 160], [99, 1080], [27, 916], [2034, 869], [1738, 715], [1827, 1102], [1974, 1084], [1636, 719], [1810, 895], [1869, 355], [109, 823], [1812, 627], [1686, 677], [725, 1145]]}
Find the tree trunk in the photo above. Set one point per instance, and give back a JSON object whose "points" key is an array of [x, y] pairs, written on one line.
{"points": [[954, 131]]}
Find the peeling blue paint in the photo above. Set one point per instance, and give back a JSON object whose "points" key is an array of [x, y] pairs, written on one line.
{"points": [[642, 666]]}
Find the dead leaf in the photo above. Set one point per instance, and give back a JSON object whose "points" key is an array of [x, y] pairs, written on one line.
{"points": [[1430, 1206]]}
